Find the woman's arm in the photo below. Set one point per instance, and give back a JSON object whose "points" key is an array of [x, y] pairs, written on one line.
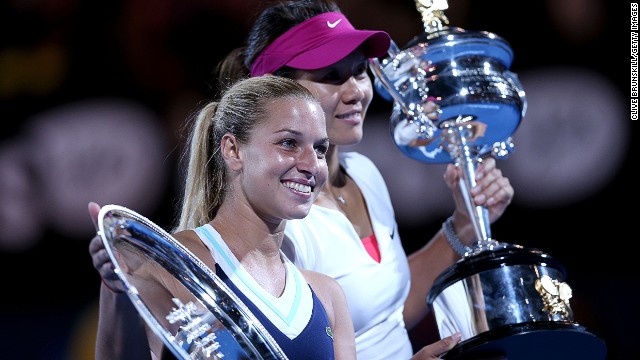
{"points": [[492, 190], [121, 332], [334, 301]]}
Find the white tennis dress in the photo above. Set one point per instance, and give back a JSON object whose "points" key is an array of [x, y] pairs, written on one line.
{"points": [[325, 241]]}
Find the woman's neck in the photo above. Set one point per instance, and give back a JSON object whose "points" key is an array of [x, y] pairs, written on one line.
{"points": [[336, 176], [256, 249], [256, 235], [333, 193]]}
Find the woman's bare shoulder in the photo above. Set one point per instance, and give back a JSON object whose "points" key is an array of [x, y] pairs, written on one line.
{"points": [[194, 244], [321, 283]]}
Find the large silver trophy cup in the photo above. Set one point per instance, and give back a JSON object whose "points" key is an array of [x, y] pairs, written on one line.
{"points": [[455, 101]]}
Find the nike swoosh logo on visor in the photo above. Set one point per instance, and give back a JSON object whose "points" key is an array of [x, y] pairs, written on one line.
{"points": [[333, 24]]}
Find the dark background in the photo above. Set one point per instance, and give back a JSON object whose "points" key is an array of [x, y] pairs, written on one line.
{"points": [[94, 94]]}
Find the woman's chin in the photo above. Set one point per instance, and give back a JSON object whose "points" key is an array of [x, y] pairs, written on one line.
{"points": [[300, 211]]}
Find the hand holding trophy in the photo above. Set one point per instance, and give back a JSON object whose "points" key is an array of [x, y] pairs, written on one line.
{"points": [[455, 101]]}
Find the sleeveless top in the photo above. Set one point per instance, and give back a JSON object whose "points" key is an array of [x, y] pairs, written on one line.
{"points": [[325, 241], [296, 320]]}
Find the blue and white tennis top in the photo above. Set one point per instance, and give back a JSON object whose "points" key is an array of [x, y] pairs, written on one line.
{"points": [[296, 320]]}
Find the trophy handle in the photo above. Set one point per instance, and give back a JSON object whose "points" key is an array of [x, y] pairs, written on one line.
{"points": [[388, 90], [513, 79]]}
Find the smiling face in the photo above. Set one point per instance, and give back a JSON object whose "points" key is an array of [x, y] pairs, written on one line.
{"points": [[345, 92], [283, 165]]}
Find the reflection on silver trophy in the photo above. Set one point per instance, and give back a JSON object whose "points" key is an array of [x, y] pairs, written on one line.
{"points": [[182, 301], [455, 101]]}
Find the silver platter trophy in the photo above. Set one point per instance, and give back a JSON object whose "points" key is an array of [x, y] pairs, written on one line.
{"points": [[455, 101], [181, 300]]}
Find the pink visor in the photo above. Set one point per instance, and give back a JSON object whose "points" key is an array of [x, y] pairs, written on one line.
{"points": [[318, 42]]}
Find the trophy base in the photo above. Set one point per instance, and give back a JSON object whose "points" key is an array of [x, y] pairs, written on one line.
{"points": [[532, 341], [510, 303]]}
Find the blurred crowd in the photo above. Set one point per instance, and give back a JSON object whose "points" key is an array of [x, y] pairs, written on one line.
{"points": [[94, 97]]}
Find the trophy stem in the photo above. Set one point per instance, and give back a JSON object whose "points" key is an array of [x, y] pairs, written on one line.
{"points": [[479, 214], [456, 134]]}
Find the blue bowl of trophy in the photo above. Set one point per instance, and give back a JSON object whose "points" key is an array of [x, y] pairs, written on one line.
{"points": [[451, 77]]}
